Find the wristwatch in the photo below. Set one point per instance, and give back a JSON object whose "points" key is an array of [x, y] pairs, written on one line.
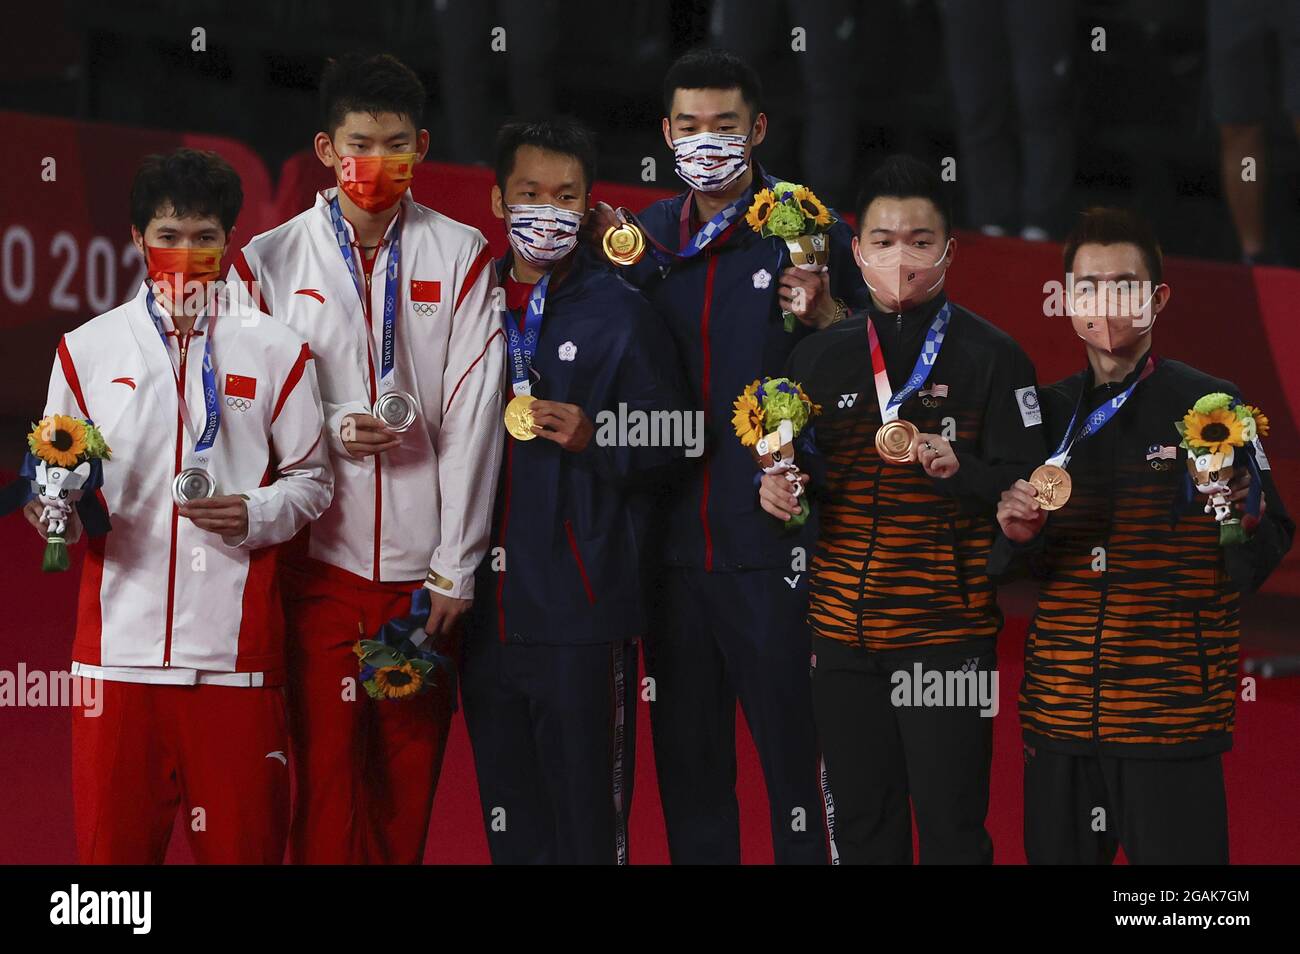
{"points": [[841, 312]]}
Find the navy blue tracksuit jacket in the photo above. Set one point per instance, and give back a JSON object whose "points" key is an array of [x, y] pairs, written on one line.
{"points": [[722, 309], [720, 636], [550, 664]]}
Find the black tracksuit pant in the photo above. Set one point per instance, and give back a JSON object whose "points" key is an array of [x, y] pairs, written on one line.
{"points": [[553, 730], [1080, 808], [719, 637], [883, 759]]}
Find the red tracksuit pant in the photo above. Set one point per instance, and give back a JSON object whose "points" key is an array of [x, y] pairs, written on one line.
{"points": [[218, 753], [364, 771]]}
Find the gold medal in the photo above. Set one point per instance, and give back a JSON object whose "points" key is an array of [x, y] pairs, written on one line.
{"points": [[896, 441], [1053, 485], [519, 417], [623, 244]]}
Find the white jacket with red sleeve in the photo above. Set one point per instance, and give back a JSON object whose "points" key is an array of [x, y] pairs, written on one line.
{"points": [[162, 600], [423, 510]]}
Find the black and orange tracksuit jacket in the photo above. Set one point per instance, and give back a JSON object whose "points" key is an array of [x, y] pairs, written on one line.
{"points": [[900, 561], [1133, 650]]}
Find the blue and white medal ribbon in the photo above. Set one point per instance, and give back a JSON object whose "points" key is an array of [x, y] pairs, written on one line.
{"points": [[211, 400], [387, 357], [1098, 419], [522, 344]]}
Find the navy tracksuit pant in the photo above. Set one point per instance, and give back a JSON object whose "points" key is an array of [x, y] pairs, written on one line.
{"points": [[719, 637], [553, 730]]}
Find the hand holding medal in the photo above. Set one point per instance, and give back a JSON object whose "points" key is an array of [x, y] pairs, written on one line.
{"points": [[898, 441], [1020, 514], [1050, 479]]}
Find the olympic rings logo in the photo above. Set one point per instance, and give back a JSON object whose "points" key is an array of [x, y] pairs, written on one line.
{"points": [[239, 404], [425, 308]]}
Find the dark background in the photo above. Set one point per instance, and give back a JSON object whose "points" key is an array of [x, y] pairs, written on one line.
{"points": [[1144, 136]]}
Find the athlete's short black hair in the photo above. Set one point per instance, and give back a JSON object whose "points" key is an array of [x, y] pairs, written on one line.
{"points": [[708, 68], [378, 83], [901, 176], [186, 182], [563, 135], [1109, 226]]}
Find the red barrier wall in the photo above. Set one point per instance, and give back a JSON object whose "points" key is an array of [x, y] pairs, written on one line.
{"points": [[65, 233], [65, 254]]}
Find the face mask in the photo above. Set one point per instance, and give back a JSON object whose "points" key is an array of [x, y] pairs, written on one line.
{"points": [[900, 276], [174, 271], [710, 161], [375, 183], [1101, 331], [543, 234]]}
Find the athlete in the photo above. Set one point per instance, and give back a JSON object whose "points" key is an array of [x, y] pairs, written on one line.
{"points": [[730, 622], [550, 670], [928, 411], [1130, 665], [395, 300], [213, 417]]}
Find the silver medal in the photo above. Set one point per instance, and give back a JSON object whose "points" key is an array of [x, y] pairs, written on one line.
{"points": [[193, 483]]}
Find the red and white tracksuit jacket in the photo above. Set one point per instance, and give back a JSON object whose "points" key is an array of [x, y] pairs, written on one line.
{"points": [[163, 601], [424, 509]]}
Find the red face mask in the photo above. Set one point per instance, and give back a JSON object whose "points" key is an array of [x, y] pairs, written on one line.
{"points": [[175, 271], [374, 183]]}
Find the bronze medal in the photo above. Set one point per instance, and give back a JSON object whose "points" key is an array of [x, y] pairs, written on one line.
{"points": [[623, 244], [896, 441], [519, 417], [1053, 484]]}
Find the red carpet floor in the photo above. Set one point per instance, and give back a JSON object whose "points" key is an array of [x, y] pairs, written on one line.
{"points": [[1263, 770]]}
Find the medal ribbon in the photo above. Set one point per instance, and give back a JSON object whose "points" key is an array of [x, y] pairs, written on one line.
{"points": [[701, 239], [211, 401], [1097, 419], [891, 403], [522, 345], [387, 358]]}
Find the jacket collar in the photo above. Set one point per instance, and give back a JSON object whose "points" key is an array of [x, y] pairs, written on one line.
{"points": [[325, 196], [1090, 383], [919, 316], [568, 273]]}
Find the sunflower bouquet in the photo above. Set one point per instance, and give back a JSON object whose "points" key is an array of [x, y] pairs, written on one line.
{"points": [[1213, 430], [769, 414], [396, 664], [793, 213], [63, 463]]}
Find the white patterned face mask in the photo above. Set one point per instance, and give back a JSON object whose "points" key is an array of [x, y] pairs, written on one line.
{"points": [[543, 234], [710, 161]]}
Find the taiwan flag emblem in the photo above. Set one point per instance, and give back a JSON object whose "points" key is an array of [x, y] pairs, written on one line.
{"points": [[425, 296], [240, 391]]}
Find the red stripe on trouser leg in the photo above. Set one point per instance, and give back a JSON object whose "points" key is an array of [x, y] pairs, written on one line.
{"points": [[365, 772], [154, 749]]}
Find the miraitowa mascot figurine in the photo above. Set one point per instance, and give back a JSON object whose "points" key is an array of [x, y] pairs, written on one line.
{"points": [[1211, 474], [64, 464], [769, 414], [1221, 435]]}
